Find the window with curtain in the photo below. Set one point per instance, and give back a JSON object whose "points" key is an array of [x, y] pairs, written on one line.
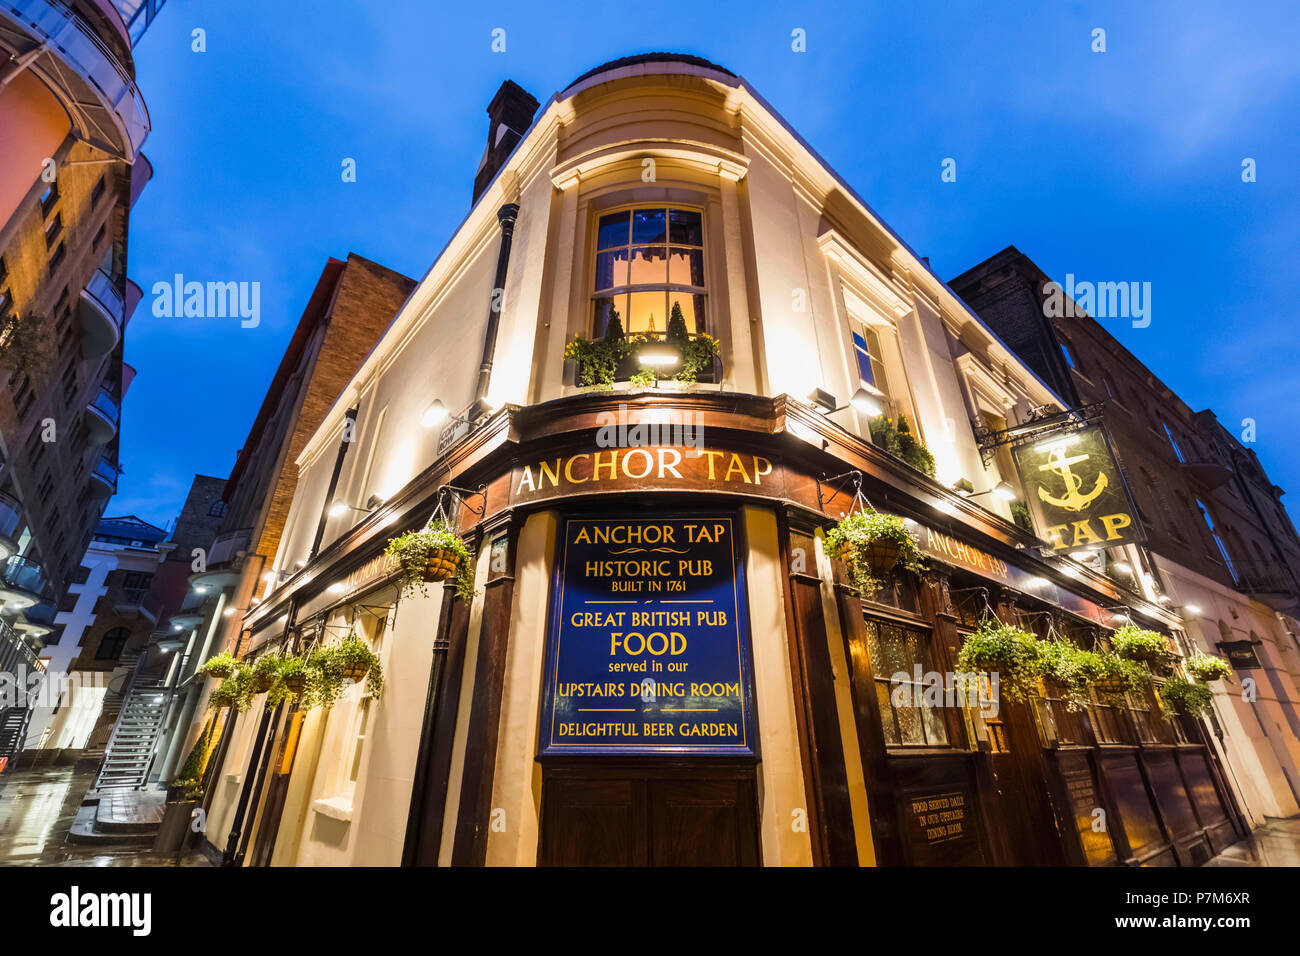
{"points": [[649, 261]]}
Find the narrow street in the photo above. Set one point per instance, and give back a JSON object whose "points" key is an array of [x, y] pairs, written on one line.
{"points": [[37, 810]]}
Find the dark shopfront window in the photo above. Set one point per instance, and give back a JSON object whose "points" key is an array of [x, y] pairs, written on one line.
{"points": [[907, 719]]}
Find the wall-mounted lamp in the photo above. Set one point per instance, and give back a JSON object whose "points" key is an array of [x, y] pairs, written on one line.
{"points": [[437, 413], [862, 401], [1123, 567], [1001, 490], [340, 508], [659, 355]]}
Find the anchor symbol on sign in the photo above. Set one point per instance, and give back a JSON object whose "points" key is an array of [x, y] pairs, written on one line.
{"points": [[1073, 500]]}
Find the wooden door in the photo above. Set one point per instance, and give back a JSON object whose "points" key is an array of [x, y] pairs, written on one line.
{"points": [[640, 819]]}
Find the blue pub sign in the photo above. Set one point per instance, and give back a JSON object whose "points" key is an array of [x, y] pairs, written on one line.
{"points": [[649, 641]]}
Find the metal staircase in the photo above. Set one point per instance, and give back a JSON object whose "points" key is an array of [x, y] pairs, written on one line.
{"points": [[130, 750], [13, 731]]}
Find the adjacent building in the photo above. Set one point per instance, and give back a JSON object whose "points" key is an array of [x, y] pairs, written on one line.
{"points": [[72, 121], [352, 304], [660, 663], [1224, 551]]}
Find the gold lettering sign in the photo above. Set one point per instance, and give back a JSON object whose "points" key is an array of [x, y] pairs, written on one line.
{"points": [[1076, 493], [951, 551], [658, 466]]}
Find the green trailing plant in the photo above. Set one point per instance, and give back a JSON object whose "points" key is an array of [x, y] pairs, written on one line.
{"points": [[1119, 676], [1021, 516], [219, 665], [425, 555], [1208, 667], [599, 360], [872, 544], [1004, 650], [1137, 644], [896, 438], [336, 665], [234, 691], [1184, 697], [263, 673], [1074, 668], [23, 348]]}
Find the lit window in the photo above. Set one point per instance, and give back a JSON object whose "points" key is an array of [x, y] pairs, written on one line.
{"points": [[908, 720], [649, 262]]}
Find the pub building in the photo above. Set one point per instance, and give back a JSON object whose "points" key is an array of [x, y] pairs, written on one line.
{"points": [[660, 664]]}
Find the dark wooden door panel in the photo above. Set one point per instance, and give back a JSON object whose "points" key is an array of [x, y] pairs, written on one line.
{"points": [[643, 819], [702, 823], [594, 823]]}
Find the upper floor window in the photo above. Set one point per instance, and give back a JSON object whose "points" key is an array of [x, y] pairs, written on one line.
{"points": [[112, 644], [866, 349], [1173, 443], [650, 262], [217, 509], [1209, 523]]}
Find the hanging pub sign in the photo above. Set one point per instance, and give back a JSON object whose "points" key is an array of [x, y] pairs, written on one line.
{"points": [[648, 649], [1076, 492], [1240, 654]]}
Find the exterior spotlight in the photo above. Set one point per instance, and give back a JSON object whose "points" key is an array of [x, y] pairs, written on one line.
{"points": [[269, 576], [338, 587], [1192, 609], [228, 612], [1123, 567], [337, 509], [435, 413], [658, 355], [866, 403], [176, 627], [1163, 599], [200, 590], [1001, 490], [1004, 491]]}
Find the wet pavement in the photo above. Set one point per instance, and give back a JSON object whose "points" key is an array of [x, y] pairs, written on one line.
{"points": [[1276, 843], [37, 809]]}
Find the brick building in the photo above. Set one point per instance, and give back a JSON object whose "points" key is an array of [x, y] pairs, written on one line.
{"points": [[1222, 548], [353, 303]]}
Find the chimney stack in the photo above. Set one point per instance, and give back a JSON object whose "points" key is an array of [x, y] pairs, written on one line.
{"points": [[509, 115]]}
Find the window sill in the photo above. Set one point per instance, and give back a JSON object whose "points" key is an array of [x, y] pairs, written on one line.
{"points": [[336, 808]]}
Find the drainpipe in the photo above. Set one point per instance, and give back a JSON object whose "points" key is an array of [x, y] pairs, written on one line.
{"points": [[349, 426], [506, 216]]}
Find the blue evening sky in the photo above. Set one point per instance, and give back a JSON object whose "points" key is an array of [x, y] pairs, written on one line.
{"points": [[1123, 165]]}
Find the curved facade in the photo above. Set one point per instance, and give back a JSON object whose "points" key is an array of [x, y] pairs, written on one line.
{"points": [[684, 525]]}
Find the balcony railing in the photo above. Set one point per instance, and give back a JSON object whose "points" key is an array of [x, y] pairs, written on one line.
{"points": [[99, 94], [136, 601], [1266, 578], [105, 413], [24, 575], [103, 480], [11, 516], [227, 547], [103, 312]]}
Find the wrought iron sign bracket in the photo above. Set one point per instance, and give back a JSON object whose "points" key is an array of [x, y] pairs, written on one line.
{"points": [[1041, 423], [463, 496], [838, 484]]}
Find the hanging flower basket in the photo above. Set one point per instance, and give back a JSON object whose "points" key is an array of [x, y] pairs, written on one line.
{"points": [[1185, 698], [350, 660], [263, 674], [434, 553], [1137, 644], [219, 665], [440, 565], [871, 544], [1208, 667], [1008, 652]]}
